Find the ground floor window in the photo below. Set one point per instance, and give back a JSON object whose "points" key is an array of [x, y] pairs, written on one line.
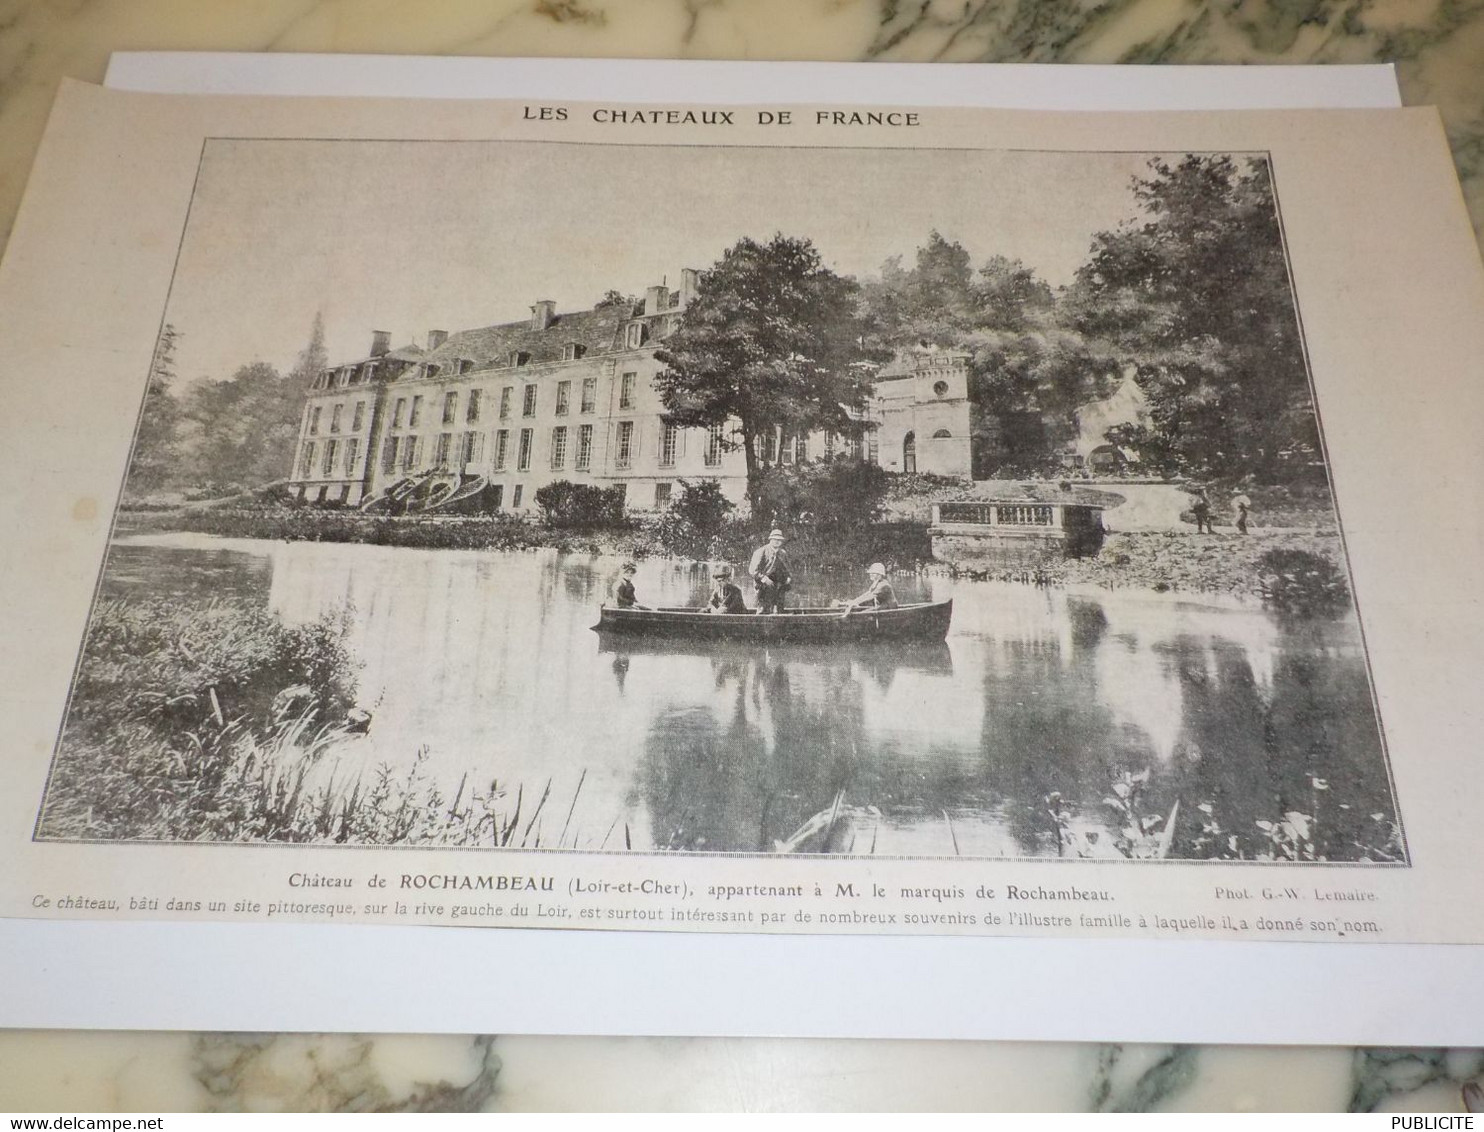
{"points": [[713, 446], [516, 494], [306, 461], [352, 454], [584, 448], [559, 448], [502, 448], [497, 496], [388, 454], [662, 495], [471, 448], [410, 445], [523, 460], [327, 465]]}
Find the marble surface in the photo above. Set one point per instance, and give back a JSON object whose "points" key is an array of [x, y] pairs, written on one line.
{"points": [[1439, 48]]}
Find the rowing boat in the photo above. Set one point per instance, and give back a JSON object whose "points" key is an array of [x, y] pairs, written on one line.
{"points": [[925, 621]]}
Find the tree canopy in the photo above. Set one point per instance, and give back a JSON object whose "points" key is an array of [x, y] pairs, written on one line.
{"points": [[1196, 295], [771, 340]]}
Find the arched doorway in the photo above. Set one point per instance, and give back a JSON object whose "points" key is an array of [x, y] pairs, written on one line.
{"points": [[909, 453]]}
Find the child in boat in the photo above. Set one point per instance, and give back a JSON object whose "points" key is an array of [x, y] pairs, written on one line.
{"points": [[623, 593], [725, 596], [878, 595]]}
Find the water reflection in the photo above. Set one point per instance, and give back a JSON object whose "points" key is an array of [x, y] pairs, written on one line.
{"points": [[487, 661]]}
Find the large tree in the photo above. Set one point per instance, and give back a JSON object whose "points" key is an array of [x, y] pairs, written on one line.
{"points": [[771, 340], [156, 459], [1195, 292]]}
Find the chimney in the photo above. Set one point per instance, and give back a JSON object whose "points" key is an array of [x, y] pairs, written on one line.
{"points": [[690, 278], [655, 299], [542, 314], [436, 338], [381, 342]]}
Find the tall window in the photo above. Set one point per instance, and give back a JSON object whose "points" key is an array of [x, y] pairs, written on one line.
{"points": [[626, 390], [388, 454], [669, 441], [352, 454], [803, 447], [589, 394], [634, 335], [335, 417], [440, 452], [358, 419], [558, 447], [314, 420], [515, 496], [523, 461], [471, 448], [450, 408], [502, 448], [505, 401], [410, 448], [584, 448], [625, 444], [417, 411], [471, 415], [713, 446], [768, 446], [497, 496], [332, 449], [399, 412], [787, 449], [528, 406], [306, 460], [661, 496], [564, 398]]}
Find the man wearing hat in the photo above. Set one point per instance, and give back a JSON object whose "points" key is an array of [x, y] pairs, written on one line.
{"points": [[770, 573], [878, 595], [725, 596]]}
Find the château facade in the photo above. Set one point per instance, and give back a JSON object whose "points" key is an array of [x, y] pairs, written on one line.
{"points": [[488, 416]]}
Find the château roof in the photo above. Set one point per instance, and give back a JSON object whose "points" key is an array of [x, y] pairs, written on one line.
{"points": [[593, 330]]}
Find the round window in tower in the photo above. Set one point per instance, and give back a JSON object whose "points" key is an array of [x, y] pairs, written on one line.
{"points": [[940, 388]]}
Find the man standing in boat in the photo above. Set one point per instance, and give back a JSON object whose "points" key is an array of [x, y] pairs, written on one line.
{"points": [[770, 573], [878, 595], [725, 596]]}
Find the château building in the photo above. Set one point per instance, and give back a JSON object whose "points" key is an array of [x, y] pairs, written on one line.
{"points": [[486, 417]]}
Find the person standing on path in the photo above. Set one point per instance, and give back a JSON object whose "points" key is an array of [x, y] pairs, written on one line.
{"points": [[1201, 509], [1241, 510], [770, 573]]}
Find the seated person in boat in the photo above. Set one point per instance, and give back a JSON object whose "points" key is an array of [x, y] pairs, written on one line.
{"points": [[878, 595], [623, 593], [726, 597], [770, 573]]}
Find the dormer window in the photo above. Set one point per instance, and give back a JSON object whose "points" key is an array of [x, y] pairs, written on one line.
{"points": [[634, 337], [432, 370], [518, 357], [465, 365], [368, 371], [572, 351]]}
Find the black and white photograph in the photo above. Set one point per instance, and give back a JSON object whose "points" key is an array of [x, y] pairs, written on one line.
{"points": [[730, 500]]}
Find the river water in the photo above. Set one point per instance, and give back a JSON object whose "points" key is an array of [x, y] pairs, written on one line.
{"points": [[1040, 702]]}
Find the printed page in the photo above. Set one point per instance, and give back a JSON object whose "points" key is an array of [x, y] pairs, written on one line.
{"points": [[797, 520]]}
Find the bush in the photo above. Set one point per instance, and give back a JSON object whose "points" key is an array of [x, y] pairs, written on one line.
{"points": [[838, 492], [694, 521], [581, 506], [1302, 583], [171, 665]]}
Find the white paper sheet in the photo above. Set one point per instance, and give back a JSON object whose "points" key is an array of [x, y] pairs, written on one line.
{"points": [[170, 975], [1010, 86]]}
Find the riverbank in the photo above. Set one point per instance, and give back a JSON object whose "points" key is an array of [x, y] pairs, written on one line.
{"points": [[1223, 563], [904, 545]]}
